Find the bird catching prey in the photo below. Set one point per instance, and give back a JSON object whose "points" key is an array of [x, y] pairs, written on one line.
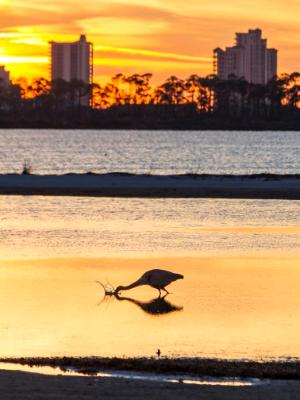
{"points": [[156, 278]]}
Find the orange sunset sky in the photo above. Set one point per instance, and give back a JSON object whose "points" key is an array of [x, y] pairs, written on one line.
{"points": [[134, 36]]}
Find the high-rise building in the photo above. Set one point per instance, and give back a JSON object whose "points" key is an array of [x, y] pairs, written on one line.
{"points": [[249, 59], [271, 67], [73, 61], [4, 76]]}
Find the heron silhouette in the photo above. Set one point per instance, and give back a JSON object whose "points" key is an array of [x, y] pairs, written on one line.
{"points": [[158, 306], [156, 278]]}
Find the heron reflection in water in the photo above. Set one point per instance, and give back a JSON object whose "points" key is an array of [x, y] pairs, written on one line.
{"points": [[157, 306]]}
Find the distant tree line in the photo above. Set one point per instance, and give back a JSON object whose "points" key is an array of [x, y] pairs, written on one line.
{"points": [[130, 101]]}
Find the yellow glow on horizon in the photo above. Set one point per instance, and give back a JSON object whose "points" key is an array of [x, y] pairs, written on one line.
{"points": [[150, 53], [21, 60], [138, 63], [119, 26], [31, 41]]}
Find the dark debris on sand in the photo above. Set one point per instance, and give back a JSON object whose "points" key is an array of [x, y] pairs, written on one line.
{"points": [[192, 366]]}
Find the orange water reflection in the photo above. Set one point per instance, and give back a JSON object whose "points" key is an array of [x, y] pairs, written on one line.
{"points": [[231, 307]]}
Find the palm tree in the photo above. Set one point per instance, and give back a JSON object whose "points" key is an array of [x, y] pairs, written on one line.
{"points": [[79, 93], [171, 92], [276, 94], [293, 91], [211, 84]]}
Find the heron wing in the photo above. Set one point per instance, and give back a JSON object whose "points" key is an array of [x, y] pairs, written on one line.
{"points": [[159, 278]]}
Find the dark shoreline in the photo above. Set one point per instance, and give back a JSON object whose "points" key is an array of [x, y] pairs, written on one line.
{"points": [[286, 370], [206, 128], [260, 186], [32, 386], [139, 122]]}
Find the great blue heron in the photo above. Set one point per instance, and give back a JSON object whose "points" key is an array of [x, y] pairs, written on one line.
{"points": [[156, 278]]}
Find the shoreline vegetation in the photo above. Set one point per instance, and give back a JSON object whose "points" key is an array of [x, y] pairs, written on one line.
{"points": [[259, 186], [214, 368], [132, 102]]}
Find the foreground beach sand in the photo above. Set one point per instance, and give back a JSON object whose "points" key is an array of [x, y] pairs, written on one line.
{"points": [[21, 385]]}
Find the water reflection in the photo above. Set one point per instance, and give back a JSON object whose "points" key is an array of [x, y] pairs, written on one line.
{"points": [[234, 307], [156, 306], [145, 228]]}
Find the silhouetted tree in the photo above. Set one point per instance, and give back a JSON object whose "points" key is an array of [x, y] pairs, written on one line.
{"points": [[130, 98]]}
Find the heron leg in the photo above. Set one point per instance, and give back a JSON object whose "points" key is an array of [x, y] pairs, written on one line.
{"points": [[159, 292], [166, 291]]}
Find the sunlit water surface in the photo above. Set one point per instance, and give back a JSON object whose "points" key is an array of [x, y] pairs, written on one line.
{"points": [[239, 298], [156, 152], [42, 227]]}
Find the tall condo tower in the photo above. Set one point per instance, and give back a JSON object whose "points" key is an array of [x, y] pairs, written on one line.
{"points": [[73, 61], [4, 76], [249, 59]]}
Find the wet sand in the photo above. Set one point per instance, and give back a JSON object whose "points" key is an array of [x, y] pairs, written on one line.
{"points": [[264, 186], [21, 385]]}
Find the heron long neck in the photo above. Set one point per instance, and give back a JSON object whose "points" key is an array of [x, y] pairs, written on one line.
{"points": [[132, 285]]}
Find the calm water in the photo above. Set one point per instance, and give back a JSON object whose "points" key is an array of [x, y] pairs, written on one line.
{"points": [[160, 152], [241, 258], [239, 299], [42, 227]]}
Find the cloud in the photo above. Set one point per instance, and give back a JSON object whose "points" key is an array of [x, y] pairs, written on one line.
{"points": [[22, 60], [170, 35], [120, 26], [151, 54]]}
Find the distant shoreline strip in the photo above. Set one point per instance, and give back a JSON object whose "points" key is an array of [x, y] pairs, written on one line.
{"points": [[259, 186], [218, 368]]}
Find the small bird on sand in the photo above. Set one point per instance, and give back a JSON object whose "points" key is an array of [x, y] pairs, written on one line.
{"points": [[156, 278], [158, 353]]}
